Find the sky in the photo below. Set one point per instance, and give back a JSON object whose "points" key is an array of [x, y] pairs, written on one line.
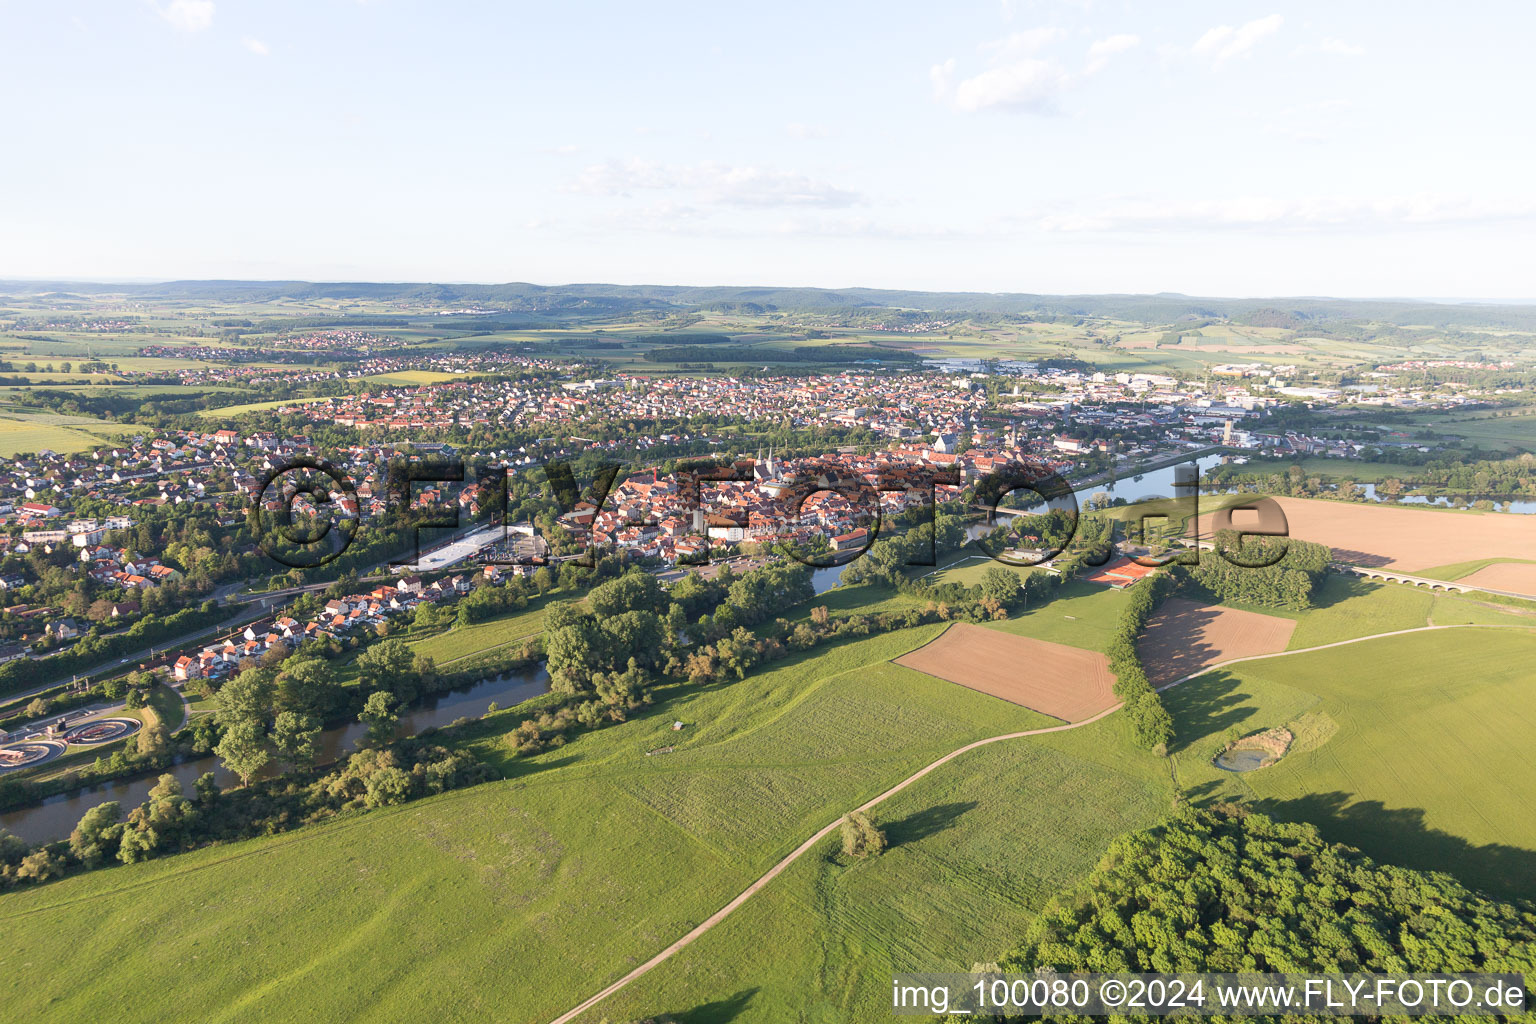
{"points": [[1342, 148]]}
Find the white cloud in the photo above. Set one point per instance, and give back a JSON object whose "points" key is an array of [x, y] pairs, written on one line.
{"points": [[1020, 79], [188, 15], [714, 183], [256, 46], [1100, 52], [1027, 85], [1339, 47], [1224, 42], [1021, 44]]}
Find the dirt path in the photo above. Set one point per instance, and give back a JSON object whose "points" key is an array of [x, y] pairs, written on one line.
{"points": [[805, 847]]}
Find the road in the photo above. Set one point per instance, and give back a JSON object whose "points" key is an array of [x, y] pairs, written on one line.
{"points": [[826, 830]]}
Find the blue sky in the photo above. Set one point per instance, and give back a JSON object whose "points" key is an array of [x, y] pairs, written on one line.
{"points": [[1220, 148]]}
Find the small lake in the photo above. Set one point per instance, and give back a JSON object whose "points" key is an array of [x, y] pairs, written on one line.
{"points": [[55, 817], [1238, 760]]}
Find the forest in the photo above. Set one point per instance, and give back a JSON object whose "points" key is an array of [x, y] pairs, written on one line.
{"points": [[1227, 890]]}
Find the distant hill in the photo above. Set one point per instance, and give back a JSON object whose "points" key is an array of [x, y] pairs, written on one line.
{"points": [[598, 298]]}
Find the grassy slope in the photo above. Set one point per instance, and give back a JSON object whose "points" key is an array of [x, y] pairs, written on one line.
{"points": [[975, 852], [511, 899], [1429, 767], [462, 641]]}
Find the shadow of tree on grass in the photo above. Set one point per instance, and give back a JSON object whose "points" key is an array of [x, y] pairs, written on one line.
{"points": [[721, 1011], [1399, 836], [926, 822]]}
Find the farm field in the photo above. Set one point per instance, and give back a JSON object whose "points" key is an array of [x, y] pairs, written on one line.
{"points": [[1516, 577], [971, 861], [1068, 683], [1348, 607], [1417, 747], [1184, 636], [410, 377], [30, 435], [1406, 539], [235, 410], [418, 910]]}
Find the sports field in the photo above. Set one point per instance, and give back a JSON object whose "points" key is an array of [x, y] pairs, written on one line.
{"points": [[1405, 538], [1064, 682], [1429, 765], [1184, 637], [510, 900]]}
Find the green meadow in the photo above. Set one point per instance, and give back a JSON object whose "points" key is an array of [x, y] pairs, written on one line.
{"points": [[977, 849], [463, 641], [511, 900], [1414, 748], [33, 435]]}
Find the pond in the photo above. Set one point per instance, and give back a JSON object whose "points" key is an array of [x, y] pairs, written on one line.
{"points": [[56, 816], [1240, 760]]}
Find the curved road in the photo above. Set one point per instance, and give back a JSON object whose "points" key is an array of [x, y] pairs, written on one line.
{"points": [[805, 847]]}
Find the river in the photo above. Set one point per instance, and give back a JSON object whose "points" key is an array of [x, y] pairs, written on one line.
{"points": [[57, 815]]}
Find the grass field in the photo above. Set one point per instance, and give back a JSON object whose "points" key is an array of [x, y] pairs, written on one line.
{"points": [[1515, 431], [464, 641], [1429, 766], [33, 436], [510, 900], [1081, 615], [972, 859], [967, 569]]}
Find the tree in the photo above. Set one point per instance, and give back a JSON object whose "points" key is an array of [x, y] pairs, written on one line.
{"points": [[634, 591], [388, 786], [90, 838], [379, 717], [860, 837], [1002, 585], [245, 698], [153, 742], [296, 737], [207, 789], [389, 665], [308, 685], [1227, 890], [138, 844], [40, 866], [243, 749]]}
